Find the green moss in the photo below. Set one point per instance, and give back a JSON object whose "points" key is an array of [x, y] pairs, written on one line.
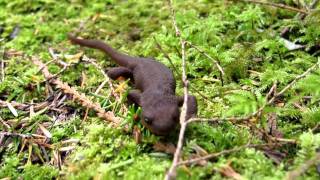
{"points": [[242, 37]]}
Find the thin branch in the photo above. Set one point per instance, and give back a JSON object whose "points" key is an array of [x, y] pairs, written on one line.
{"points": [[215, 119], [167, 56], [292, 175], [283, 140], [300, 16], [171, 174], [208, 56], [316, 128], [283, 6], [101, 86], [313, 4], [210, 156], [312, 68], [224, 152]]}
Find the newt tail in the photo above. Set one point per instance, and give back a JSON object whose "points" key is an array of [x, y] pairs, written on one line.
{"points": [[120, 58]]}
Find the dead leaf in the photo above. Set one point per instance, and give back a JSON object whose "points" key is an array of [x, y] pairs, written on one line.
{"points": [[122, 87], [168, 148], [229, 172], [36, 32], [186, 169], [83, 79], [73, 58], [253, 120], [272, 126], [291, 45], [281, 104], [136, 117], [137, 134], [300, 107], [13, 53], [95, 17]]}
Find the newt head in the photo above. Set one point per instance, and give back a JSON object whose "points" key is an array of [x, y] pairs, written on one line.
{"points": [[160, 114]]}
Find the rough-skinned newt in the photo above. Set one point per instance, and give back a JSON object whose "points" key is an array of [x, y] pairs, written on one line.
{"points": [[154, 87]]}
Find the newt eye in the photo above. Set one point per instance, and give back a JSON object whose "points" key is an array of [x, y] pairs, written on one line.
{"points": [[148, 120]]}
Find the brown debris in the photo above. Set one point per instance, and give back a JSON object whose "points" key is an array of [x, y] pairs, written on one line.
{"points": [[272, 128], [137, 134], [168, 148], [229, 172]]}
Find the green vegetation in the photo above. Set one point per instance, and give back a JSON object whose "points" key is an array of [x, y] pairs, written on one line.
{"points": [[243, 37]]}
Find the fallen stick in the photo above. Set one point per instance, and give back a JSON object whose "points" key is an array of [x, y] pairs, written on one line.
{"points": [[81, 98]]}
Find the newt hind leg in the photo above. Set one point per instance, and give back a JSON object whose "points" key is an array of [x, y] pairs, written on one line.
{"points": [[134, 96], [116, 72]]}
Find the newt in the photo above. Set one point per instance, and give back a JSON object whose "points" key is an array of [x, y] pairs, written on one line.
{"points": [[154, 87]]}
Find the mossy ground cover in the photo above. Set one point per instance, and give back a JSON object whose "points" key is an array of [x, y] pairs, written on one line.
{"points": [[243, 37]]}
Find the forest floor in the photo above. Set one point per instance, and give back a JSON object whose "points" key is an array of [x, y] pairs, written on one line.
{"points": [[253, 66]]}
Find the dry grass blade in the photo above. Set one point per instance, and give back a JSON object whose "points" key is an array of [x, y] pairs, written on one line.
{"points": [[12, 109], [6, 178], [45, 131], [25, 107], [6, 125], [68, 148]]}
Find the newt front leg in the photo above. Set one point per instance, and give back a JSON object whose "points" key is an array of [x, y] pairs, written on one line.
{"points": [[192, 107]]}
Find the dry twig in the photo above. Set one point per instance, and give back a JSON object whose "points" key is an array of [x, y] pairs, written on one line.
{"points": [[224, 152], [303, 168], [300, 16], [81, 98], [167, 56], [171, 174], [209, 57], [283, 6]]}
